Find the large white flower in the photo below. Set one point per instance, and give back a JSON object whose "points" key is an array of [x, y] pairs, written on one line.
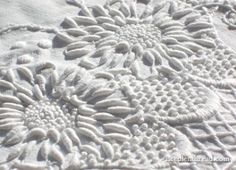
{"points": [[40, 104], [118, 35], [72, 120]]}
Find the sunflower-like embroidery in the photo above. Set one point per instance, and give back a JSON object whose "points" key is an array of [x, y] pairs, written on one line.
{"points": [[117, 35], [69, 119], [74, 120], [40, 105]]}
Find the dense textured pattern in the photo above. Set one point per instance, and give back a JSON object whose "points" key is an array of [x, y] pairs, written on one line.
{"points": [[136, 88], [164, 34]]}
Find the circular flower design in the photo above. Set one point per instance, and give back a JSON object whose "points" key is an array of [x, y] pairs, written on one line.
{"points": [[30, 100], [40, 104], [148, 70], [75, 119], [116, 35]]}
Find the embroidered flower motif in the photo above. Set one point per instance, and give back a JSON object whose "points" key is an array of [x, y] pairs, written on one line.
{"points": [[73, 117], [116, 34], [42, 105], [116, 115]]}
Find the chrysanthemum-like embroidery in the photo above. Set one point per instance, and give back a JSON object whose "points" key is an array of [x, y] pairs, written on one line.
{"points": [[43, 106], [116, 34], [70, 119]]}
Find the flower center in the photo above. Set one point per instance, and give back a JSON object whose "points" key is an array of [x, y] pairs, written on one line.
{"points": [[49, 114], [146, 35]]}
